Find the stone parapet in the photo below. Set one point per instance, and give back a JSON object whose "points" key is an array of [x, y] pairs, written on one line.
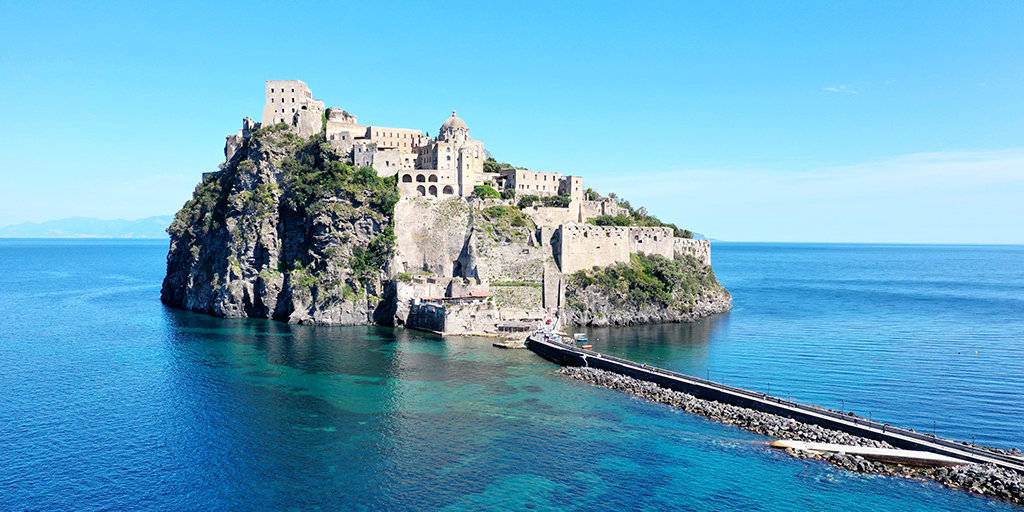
{"points": [[700, 249]]}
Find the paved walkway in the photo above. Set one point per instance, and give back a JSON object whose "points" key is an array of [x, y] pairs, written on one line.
{"points": [[571, 355]]}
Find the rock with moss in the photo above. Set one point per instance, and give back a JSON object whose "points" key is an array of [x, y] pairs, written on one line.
{"points": [[648, 289], [288, 230]]}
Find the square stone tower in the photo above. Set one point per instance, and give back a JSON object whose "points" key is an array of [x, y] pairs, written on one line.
{"points": [[291, 102]]}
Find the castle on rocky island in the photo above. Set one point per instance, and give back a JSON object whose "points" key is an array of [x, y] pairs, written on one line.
{"points": [[454, 274], [450, 164]]}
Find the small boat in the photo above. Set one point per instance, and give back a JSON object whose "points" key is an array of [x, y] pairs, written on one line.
{"points": [[580, 337], [587, 347]]}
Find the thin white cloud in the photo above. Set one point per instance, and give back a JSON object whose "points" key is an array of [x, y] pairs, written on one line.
{"points": [[841, 88], [943, 197]]}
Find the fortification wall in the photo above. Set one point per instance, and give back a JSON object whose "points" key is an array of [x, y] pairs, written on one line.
{"points": [[583, 246], [591, 209], [651, 241], [517, 297], [453, 319], [426, 317], [470, 319], [700, 249], [550, 216]]}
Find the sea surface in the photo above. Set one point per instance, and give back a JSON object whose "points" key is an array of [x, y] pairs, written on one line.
{"points": [[110, 401]]}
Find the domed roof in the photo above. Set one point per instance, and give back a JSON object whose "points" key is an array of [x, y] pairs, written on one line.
{"points": [[454, 122]]}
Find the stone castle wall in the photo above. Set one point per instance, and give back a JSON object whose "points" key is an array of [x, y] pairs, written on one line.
{"points": [[582, 246], [651, 241], [700, 249]]}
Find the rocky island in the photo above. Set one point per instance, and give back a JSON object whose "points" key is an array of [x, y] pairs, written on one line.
{"points": [[316, 219]]}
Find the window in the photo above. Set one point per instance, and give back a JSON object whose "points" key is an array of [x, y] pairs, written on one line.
{"points": [[449, 157], [293, 90], [271, 90], [293, 100], [272, 100]]}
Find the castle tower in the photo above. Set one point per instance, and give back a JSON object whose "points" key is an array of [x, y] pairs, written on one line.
{"points": [[291, 102]]}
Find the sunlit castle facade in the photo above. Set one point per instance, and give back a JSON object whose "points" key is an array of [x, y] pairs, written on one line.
{"points": [[449, 165]]}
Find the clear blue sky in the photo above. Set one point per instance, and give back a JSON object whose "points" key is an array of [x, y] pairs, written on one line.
{"points": [[776, 121]]}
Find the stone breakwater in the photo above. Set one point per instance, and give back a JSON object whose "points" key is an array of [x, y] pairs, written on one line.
{"points": [[977, 478]]}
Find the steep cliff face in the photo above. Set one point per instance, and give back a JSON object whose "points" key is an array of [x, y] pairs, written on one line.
{"points": [[648, 289], [288, 231]]}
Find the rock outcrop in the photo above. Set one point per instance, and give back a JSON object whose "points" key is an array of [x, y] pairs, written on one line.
{"points": [[649, 289], [287, 231]]}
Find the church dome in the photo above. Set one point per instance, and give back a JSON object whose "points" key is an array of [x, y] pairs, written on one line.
{"points": [[454, 122]]}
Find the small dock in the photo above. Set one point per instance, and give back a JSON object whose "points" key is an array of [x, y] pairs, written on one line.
{"points": [[568, 354]]}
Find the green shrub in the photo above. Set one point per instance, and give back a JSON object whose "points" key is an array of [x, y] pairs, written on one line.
{"points": [[561, 201], [527, 201], [486, 192], [648, 280], [608, 220], [373, 259]]}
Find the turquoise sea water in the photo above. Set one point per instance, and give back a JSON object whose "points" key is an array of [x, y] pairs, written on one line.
{"points": [[109, 401]]}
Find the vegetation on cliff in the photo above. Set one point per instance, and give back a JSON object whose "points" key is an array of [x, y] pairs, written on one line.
{"points": [[288, 230], [647, 287]]}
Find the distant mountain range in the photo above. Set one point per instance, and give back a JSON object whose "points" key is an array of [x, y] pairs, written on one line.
{"points": [[86, 227]]}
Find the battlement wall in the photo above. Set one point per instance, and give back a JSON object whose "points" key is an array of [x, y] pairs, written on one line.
{"points": [[651, 241], [582, 246], [700, 249]]}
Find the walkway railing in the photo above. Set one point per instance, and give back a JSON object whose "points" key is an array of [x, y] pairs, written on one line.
{"points": [[571, 355]]}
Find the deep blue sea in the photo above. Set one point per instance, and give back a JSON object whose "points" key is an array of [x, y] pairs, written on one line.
{"points": [[110, 401]]}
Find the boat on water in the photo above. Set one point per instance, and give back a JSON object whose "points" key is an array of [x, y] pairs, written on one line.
{"points": [[581, 337]]}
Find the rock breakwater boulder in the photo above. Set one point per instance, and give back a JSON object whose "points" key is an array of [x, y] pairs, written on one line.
{"points": [[977, 478]]}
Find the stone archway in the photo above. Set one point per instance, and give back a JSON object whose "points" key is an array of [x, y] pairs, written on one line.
{"points": [[433, 190], [421, 190], [407, 178], [432, 178], [420, 178], [448, 190]]}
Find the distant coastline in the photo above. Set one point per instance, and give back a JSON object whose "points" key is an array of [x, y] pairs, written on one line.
{"points": [[87, 227]]}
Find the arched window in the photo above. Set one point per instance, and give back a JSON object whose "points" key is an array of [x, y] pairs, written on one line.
{"points": [[448, 190], [432, 178], [421, 190], [433, 190], [407, 178], [420, 178], [449, 157]]}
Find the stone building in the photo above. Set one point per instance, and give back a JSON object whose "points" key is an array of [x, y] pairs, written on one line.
{"points": [[527, 182], [291, 102]]}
